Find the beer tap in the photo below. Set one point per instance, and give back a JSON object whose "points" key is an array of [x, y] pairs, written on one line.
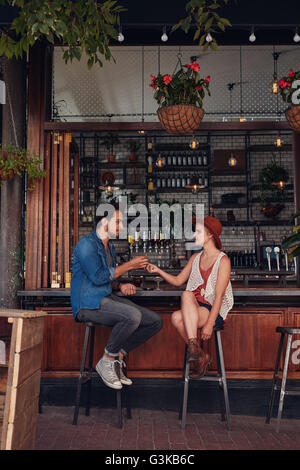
{"points": [[268, 251], [286, 260], [277, 251]]}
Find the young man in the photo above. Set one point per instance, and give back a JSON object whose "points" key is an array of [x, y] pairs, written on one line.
{"points": [[94, 270]]}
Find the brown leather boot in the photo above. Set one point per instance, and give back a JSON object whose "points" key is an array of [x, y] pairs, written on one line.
{"points": [[194, 350], [201, 366]]}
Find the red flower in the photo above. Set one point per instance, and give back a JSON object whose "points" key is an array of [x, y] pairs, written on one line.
{"points": [[195, 66], [188, 66], [207, 79], [167, 79], [292, 73], [198, 88], [153, 83], [281, 83]]}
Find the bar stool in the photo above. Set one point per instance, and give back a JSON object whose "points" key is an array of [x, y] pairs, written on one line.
{"points": [[219, 377], [85, 377], [290, 331]]}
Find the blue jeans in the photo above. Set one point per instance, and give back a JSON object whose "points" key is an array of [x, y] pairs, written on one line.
{"points": [[219, 320], [132, 324]]}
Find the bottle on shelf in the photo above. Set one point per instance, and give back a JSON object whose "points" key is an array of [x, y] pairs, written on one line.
{"points": [[199, 159], [150, 161], [90, 216], [173, 181], [84, 217], [204, 159]]}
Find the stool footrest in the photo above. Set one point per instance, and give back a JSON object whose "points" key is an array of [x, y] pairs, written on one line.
{"points": [[208, 378]]}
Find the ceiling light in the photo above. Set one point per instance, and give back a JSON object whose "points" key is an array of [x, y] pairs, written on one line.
{"points": [[120, 36], [209, 37], [296, 38], [252, 37], [164, 37]]}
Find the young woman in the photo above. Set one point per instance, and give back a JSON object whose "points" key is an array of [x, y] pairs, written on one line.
{"points": [[208, 295]]}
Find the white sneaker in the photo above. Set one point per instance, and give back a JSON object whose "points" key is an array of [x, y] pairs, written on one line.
{"points": [[123, 378], [106, 369]]}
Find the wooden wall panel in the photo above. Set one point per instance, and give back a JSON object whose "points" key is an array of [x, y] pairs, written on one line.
{"points": [[61, 183], [46, 211], [53, 216], [249, 342]]}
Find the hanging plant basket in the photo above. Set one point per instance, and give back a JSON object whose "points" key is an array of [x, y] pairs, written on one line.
{"points": [[180, 119], [292, 115]]}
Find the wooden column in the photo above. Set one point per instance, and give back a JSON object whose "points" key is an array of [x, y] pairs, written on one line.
{"points": [[37, 89], [296, 171]]}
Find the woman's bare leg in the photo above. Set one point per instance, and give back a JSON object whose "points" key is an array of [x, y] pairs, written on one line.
{"points": [[194, 317], [177, 321]]}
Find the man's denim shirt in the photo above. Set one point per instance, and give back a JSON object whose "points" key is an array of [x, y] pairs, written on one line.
{"points": [[91, 276]]}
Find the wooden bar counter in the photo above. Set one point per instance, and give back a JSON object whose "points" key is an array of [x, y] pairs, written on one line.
{"points": [[249, 338]]}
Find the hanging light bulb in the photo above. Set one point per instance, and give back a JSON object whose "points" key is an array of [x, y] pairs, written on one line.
{"points": [[278, 142], [209, 37], [120, 36], [232, 160], [242, 119], [194, 143], [274, 87], [159, 162], [194, 185], [164, 36], [296, 38], [252, 37]]}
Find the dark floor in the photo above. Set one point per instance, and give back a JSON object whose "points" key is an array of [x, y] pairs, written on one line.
{"points": [[160, 430]]}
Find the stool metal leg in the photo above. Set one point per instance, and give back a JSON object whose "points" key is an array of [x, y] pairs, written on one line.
{"points": [[220, 387], [119, 400], [224, 382], [283, 381], [185, 394], [275, 377], [90, 368], [85, 346], [183, 377]]}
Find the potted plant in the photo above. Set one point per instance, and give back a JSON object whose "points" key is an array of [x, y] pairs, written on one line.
{"points": [[16, 160], [180, 98], [272, 179], [109, 140], [292, 242], [133, 147], [289, 95]]}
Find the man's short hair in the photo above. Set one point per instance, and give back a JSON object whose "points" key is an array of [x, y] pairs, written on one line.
{"points": [[107, 214]]}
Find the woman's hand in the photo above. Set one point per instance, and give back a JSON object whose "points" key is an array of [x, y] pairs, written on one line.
{"points": [[151, 268], [127, 289], [206, 331]]}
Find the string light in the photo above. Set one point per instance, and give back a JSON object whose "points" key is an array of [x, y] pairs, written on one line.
{"points": [[209, 38], [120, 36], [296, 38], [252, 37], [164, 36]]}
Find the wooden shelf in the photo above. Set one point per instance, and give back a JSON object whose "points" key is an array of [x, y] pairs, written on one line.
{"points": [[112, 165], [229, 206], [176, 190], [181, 168], [226, 184], [270, 148], [229, 172]]}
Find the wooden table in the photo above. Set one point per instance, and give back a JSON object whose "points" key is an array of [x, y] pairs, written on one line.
{"points": [[20, 379]]}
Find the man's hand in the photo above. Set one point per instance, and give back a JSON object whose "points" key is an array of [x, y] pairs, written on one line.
{"points": [[127, 289], [138, 262]]}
